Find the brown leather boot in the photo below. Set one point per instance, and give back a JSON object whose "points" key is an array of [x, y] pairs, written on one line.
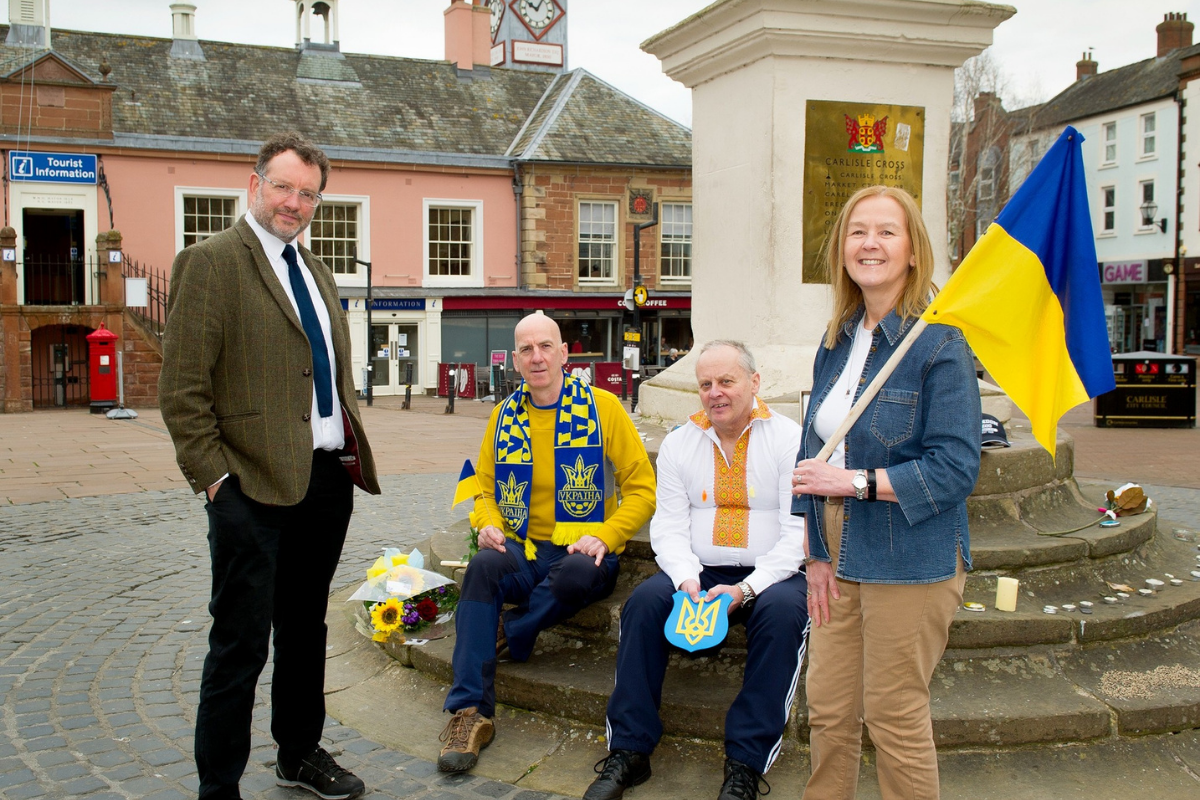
{"points": [[465, 735]]}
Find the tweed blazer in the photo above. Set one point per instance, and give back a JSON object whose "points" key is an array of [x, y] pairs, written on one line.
{"points": [[236, 383]]}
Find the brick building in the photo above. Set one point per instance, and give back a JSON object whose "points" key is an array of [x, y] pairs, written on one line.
{"points": [[478, 193]]}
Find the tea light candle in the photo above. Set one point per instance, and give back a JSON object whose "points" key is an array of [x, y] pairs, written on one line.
{"points": [[1049, 609], [1068, 606], [1176, 582], [1085, 606], [1196, 574], [1123, 595], [1006, 594], [1110, 600], [1146, 592], [1153, 584]]}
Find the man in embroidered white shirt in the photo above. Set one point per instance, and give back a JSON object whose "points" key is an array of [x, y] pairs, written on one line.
{"points": [[722, 525]]}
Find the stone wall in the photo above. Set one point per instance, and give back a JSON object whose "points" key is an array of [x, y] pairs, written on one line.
{"points": [[143, 363]]}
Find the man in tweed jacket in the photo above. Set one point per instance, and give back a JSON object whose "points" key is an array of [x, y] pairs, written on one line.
{"points": [[257, 394]]}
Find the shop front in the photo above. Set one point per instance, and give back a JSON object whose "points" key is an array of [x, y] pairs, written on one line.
{"points": [[401, 346], [1135, 305], [593, 325]]}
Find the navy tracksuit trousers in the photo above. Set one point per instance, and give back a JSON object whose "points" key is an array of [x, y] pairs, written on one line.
{"points": [[776, 635]]}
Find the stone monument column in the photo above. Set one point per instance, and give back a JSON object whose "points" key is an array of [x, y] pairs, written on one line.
{"points": [[770, 78]]}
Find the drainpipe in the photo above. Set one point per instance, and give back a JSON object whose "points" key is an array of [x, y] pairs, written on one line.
{"points": [[518, 192], [1176, 281]]}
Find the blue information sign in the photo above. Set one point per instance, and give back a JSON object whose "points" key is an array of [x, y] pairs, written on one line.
{"points": [[26, 165], [393, 303]]}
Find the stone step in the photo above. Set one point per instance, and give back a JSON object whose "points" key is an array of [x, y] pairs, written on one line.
{"points": [[1031, 696], [1081, 578]]}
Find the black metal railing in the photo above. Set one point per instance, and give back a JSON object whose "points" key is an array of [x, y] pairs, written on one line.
{"points": [[58, 281], [153, 315]]}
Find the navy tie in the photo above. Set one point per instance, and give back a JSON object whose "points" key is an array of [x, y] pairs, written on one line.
{"points": [[316, 338]]}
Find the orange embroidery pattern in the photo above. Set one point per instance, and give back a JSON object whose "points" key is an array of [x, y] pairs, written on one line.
{"points": [[732, 525]]}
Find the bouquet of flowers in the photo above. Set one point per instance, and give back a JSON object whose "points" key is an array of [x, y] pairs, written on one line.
{"points": [[401, 596]]}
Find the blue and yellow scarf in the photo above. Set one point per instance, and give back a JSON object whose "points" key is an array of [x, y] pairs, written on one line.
{"points": [[579, 475]]}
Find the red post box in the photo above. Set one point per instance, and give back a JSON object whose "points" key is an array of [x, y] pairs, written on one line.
{"points": [[102, 361]]}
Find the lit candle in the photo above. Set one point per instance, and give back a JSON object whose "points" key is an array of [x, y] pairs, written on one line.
{"points": [[1006, 594]]}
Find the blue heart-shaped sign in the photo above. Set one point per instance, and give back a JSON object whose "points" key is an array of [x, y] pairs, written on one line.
{"points": [[698, 626]]}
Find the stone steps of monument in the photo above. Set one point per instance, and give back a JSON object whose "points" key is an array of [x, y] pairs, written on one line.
{"points": [[1002, 698], [1082, 577]]}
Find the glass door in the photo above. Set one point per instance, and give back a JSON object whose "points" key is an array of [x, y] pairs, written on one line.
{"points": [[383, 359], [406, 349]]}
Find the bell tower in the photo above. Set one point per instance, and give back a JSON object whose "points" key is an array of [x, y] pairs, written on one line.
{"points": [[327, 12]]}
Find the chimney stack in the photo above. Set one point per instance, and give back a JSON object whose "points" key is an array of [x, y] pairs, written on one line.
{"points": [[468, 35], [183, 31], [1085, 67], [1174, 32], [29, 24]]}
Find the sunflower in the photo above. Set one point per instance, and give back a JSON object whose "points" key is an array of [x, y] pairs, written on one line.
{"points": [[385, 617]]}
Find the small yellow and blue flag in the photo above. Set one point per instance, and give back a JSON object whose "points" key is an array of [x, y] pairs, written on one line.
{"points": [[468, 484], [1027, 297]]}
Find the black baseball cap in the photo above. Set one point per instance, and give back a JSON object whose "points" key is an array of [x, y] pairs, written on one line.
{"points": [[993, 433]]}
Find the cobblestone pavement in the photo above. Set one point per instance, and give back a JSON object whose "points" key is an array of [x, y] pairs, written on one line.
{"points": [[102, 638], [103, 597]]}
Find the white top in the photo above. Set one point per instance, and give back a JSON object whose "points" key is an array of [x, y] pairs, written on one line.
{"points": [[681, 531], [841, 397], [328, 433]]}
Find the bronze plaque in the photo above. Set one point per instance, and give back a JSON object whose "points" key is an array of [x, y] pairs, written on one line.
{"points": [[848, 146]]}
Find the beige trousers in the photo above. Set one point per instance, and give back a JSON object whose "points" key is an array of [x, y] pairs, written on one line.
{"points": [[872, 662]]}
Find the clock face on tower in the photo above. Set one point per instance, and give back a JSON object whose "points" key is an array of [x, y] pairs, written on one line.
{"points": [[538, 16], [497, 7]]}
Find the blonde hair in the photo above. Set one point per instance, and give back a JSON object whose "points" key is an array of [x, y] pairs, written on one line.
{"points": [[847, 296]]}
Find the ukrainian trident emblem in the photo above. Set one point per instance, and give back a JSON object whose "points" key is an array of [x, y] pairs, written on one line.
{"points": [[866, 135], [700, 625], [512, 502], [580, 495]]}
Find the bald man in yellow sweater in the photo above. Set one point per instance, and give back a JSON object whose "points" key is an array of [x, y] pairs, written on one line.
{"points": [[553, 457]]}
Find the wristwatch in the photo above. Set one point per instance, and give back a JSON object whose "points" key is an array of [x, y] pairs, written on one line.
{"points": [[747, 593], [859, 482]]}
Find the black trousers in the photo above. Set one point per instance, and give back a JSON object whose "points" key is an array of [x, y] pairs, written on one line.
{"points": [[271, 567]]}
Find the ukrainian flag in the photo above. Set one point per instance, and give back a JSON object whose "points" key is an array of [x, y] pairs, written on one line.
{"points": [[1027, 296], [468, 484]]}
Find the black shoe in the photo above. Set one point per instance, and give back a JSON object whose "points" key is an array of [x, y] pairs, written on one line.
{"points": [[621, 770], [321, 775], [741, 782]]}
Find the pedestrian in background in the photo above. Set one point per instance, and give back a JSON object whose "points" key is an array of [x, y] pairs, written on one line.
{"points": [[257, 394], [887, 514]]}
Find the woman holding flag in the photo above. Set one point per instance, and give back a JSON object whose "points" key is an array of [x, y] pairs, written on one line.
{"points": [[885, 502]]}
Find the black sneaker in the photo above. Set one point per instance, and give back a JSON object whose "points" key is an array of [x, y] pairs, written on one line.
{"points": [[321, 775], [618, 772], [741, 782]]}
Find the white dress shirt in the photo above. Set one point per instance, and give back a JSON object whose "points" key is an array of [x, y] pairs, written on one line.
{"points": [[328, 433], [681, 531]]}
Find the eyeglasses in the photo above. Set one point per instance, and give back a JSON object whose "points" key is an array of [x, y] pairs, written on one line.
{"points": [[282, 190]]}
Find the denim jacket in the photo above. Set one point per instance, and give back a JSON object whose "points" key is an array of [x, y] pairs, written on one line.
{"points": [[923, 427]]}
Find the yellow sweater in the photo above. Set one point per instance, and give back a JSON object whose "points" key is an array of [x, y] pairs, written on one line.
{"points": [[623, 448]]}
